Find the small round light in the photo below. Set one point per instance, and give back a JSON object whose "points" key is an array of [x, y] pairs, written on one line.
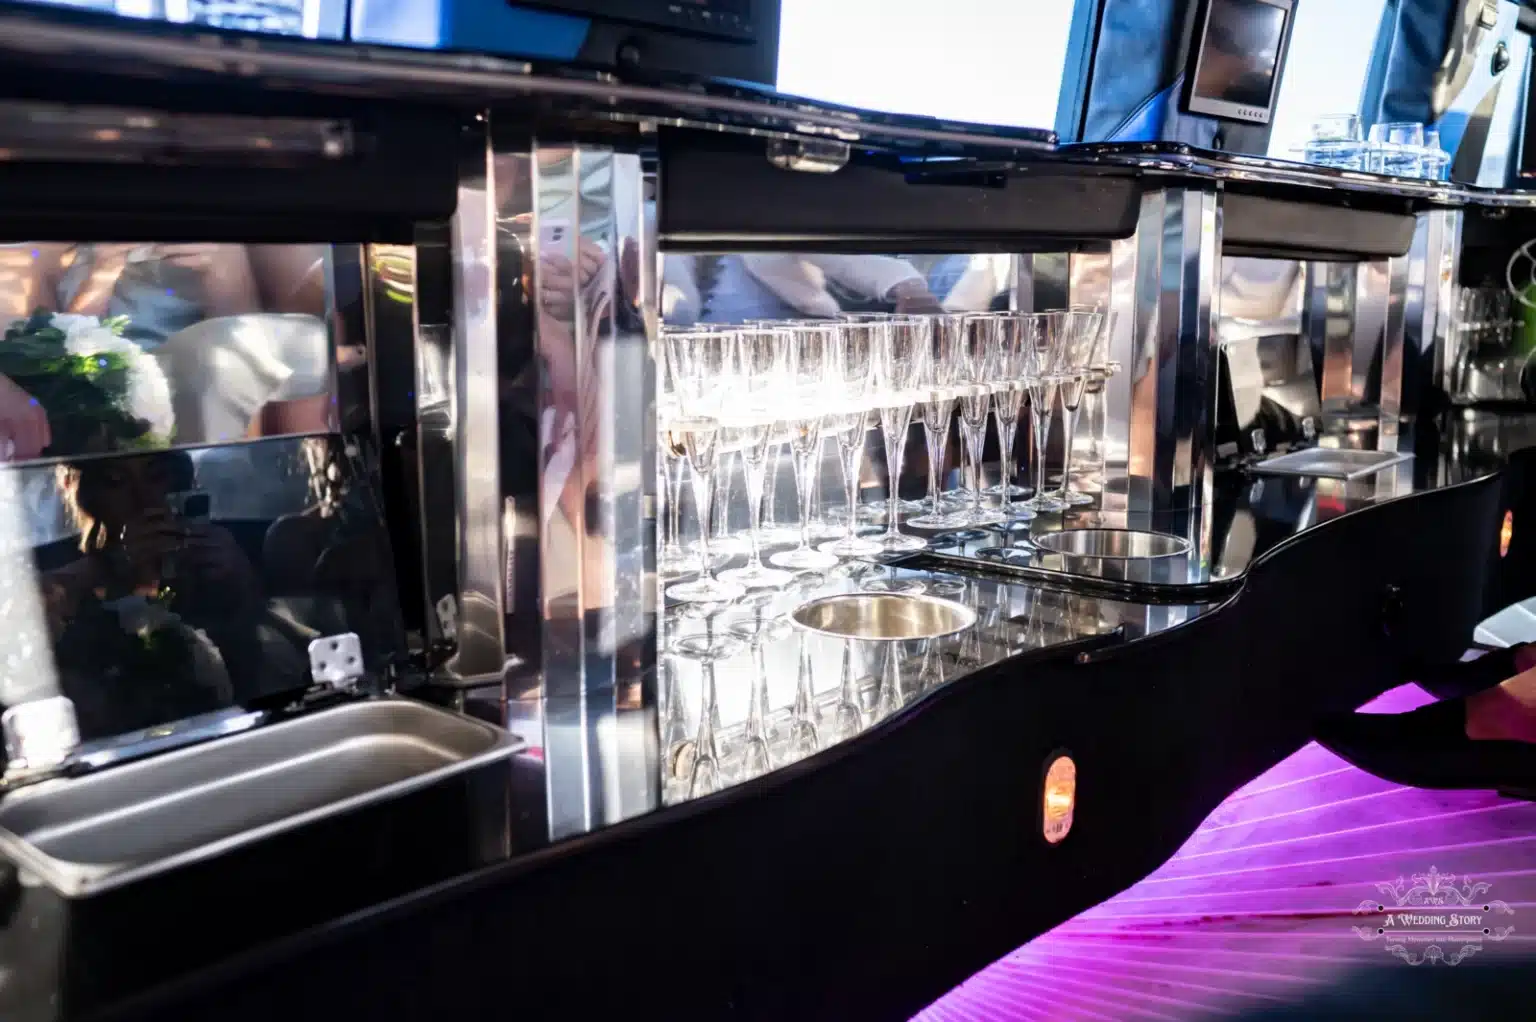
{"points": [[1058, 799], [1506, 533]]}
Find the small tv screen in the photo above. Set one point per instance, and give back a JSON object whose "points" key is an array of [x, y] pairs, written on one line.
{"points": [[1238, 59]]}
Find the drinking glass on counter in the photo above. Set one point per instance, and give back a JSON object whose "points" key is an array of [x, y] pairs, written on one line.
{"points": [[903, 349], [974, 391], [1336, 142], [702, 362], [1042, 377], [849, 419], [1010, 336], [814, 356], [1083, 339], [938, 411], [748, 418], [1397, 148]]}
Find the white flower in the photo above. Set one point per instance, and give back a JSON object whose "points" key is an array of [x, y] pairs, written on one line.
{"points": [[149, 393]]}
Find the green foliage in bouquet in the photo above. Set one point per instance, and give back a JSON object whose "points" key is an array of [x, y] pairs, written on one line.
{"points": [[84, 396]]}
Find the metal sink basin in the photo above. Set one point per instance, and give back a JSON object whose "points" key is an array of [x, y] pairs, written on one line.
{"points": [[93, 833], [118, 881]]}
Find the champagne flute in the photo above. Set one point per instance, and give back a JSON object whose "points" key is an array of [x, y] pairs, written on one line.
{"points": [[750, 425], [938, 408], [1010, 335], [1082, 339], [975, 397], [811, 356], [1042, 378], [805, 720], [904, 347], [850, 421], [704, 363]]}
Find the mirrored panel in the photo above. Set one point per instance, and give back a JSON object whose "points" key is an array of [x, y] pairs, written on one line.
{"points": [[154, 586], [111, 347]]}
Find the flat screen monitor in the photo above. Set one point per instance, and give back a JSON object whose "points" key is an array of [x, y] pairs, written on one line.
{"points": [[1237, 53]]}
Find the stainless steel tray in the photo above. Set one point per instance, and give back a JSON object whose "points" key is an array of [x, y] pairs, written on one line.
{"points": [[1330, 463], [89, 834]]}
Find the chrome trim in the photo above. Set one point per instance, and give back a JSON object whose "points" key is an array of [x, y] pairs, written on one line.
{"points": [[1431, 309], [1172, 369], [1107, 280], [1357, 315], [1389, 401], [1328, 321], [473, 424], [595, 309]]}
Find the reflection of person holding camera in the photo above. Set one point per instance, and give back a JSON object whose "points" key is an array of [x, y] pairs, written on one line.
{"points": [[155, 621]]}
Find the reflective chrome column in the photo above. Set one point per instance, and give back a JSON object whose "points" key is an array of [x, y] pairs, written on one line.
{"points": [[471, 419], [1356, 315], [1429, 335], [1162, 286], [578, 396]]}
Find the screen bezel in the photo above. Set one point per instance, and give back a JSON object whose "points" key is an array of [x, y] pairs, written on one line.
{"points": [[1224, 109]]}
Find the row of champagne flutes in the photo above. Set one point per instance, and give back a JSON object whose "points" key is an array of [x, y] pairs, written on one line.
{"points": [[753, 388], [748, 694]]}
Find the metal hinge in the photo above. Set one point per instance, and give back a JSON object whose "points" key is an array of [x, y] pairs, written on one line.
{"points": [[40, 734], [336, 661]]}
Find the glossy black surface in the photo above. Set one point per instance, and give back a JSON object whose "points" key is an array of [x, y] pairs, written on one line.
{"points": [[1251, 514]]}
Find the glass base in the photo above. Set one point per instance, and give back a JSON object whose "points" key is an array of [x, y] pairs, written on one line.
{"points": [[1016, 511], [756, 576], [910, 586], [852, 546], [827, 529], [961, 536], [947, 588], [730, 546], [803, 559], [1044, 503], [943, 520], [759, 629], [982, 516], [671, 563], [907, 507], [900, 544], [1015, 527], [1075, 498], [867, 513], [705, 590], [996, 490], [706, 647], [1007, 554], [778, 535]]}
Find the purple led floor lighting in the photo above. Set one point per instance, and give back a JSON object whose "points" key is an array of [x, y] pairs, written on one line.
{"points": [[1257, 909]]}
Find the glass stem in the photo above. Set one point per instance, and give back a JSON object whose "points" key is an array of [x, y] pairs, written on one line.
{"points": [[772, 486], [895, 446], [853, 454], [1006, 432], [1069, 424], [805, 489], [724, 470], [673, 467], [758, 698], [935, 453], [756, 474], [704, 500], [974, 438], [1042, 421]]}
